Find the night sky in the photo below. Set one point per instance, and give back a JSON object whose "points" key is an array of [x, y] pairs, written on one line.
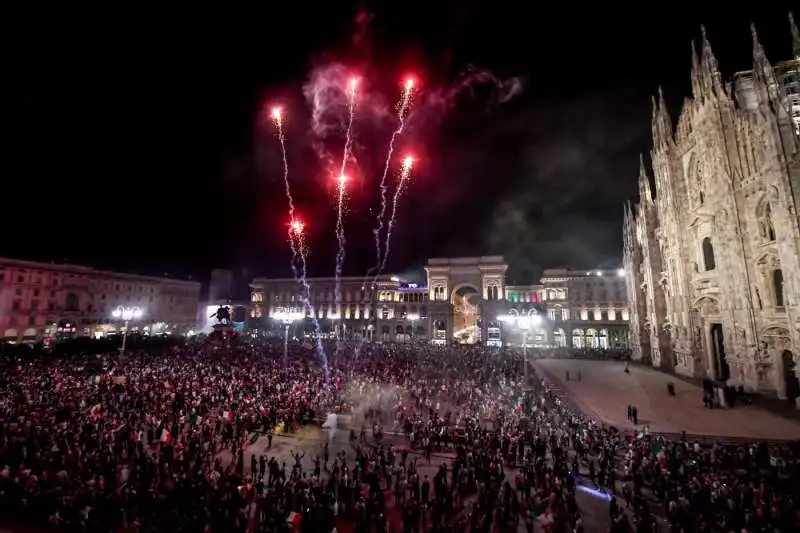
{"points": [[138, 140]]}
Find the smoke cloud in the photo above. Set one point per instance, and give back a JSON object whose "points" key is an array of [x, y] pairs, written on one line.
{"points": [[326, 95], [473, 87]]}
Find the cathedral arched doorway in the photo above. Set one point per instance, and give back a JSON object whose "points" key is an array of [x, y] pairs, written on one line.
{"points": [[790, 380], [466, 308]]}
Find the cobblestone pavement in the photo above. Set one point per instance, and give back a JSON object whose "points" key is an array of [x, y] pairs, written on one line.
{"points": [[605, 391]]}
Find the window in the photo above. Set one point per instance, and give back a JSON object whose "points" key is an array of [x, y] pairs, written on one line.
{"points": [[72, 302], [777, 286], [708, 255]]}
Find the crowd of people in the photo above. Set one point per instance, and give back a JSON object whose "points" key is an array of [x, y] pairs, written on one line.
{"points": [[161, 440]]}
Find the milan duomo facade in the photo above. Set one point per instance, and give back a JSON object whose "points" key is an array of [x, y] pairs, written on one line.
{"points": [[712, 254]]}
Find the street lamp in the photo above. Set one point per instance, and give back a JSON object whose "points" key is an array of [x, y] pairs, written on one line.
{"points": [[413, 317], [524, 323], [126, 314], [287, 318]]}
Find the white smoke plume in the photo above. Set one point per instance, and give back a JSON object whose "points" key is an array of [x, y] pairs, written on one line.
{"points": [[472, 87], [326, 94]]}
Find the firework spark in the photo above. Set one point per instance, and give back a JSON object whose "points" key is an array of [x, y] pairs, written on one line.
{"points": [[277, 119], [405, 174], [298, 239], [406, 98], [297, 244], [352, 94]]}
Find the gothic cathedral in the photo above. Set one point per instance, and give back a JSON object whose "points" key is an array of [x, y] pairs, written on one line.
{"points": [[712, 249]]}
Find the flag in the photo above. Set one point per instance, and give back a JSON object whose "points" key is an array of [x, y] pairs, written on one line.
{"points": [[166, 437], [227, 415], [543, 515], [546, 520]]}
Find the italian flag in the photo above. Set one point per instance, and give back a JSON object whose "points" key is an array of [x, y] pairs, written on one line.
{"points": [[543, 515], [166, 437]]}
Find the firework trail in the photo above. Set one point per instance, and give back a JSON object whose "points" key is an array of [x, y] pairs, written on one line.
{"points": [[298, 239], [342, 181], [277, 119], [405, 173], [402, 108]]}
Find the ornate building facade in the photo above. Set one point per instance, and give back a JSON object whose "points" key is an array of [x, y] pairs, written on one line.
{"points": [[463, 300], [712, 252], [40, 300]]}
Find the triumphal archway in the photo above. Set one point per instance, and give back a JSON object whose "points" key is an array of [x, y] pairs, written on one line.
{"points": [[466, 296]]}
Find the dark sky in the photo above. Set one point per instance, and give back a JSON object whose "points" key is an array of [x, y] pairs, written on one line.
{"points": [[133, 138]]}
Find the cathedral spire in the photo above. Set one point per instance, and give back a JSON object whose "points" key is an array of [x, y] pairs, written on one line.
{"points": [[711, 78], [763, 74], [626, 215], [661, 123], [645, 194], [697, 83], [795, 37]]}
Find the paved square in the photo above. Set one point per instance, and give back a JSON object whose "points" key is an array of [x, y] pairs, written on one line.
{"points": [[605, 391]]}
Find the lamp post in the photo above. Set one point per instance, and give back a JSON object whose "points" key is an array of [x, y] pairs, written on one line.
{"points": [[126, 314], [287, 318], [524, 323]]}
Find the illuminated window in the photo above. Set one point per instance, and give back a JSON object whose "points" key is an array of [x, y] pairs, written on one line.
{"points": [[625, 314], [584, 314]]}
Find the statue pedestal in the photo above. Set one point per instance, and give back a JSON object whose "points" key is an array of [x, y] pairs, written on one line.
{"points": [[222, 334]]}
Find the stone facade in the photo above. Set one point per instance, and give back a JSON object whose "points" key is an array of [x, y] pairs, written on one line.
{"points": [[577, 309], [712, 252], [42, 300]]}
